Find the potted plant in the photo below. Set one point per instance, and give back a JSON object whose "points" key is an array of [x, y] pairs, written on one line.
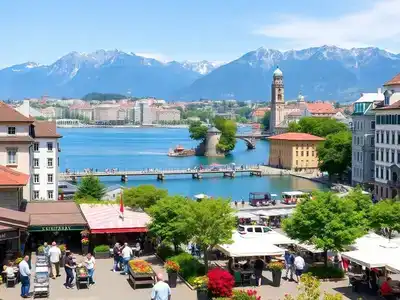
{"points": [[102, 251], [276, 269], [201, 285], [220, 283], [85, 245], [245, 295], [63, 249], [40, 250], [172, 270]]}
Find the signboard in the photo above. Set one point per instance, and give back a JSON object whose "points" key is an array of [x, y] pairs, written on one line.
{"points": [[56, 228], [7, 235]]}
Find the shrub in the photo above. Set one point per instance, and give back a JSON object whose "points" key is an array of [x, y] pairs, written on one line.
{"points": [[200, 283], [164, 251], [220, 283], [101, 249], [190, 266], [323, 272], [171, 266], [245, 295]]}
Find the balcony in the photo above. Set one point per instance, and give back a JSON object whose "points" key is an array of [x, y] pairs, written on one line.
{"points": [[394, 183]]}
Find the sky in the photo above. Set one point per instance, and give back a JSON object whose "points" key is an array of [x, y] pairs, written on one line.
{"points": [[215, 30]]}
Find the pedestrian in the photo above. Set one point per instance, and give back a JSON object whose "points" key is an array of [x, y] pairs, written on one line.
{"points": [[127, 254], [161, 290], [46, 252], [54, 256], [117, 256], [25, 273], [242, 202], [236, 203], [299, 264], [258, 269], [289, 264], [69, 270], [90, 264]]}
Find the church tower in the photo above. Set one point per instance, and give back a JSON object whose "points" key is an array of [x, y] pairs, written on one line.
{"points": [[277, 101]]}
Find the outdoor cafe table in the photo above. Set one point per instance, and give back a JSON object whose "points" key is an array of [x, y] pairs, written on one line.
{"points": [[4, 274]]}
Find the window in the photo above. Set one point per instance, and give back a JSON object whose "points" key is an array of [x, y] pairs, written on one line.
{"points": [[392, 161], [12, 156], [372, 125], [36, 147], [36, 195], [382, 159], [377, 155], [398, 157], [49, 146], [372, 156], [36, 178], [358, 141], [50, 195], [382, 137], [49, 178], [250, 229], [297, 162], [36, 162], [312, 154], [307, 153], [387, 174], [49, 162], [258, 229], [381, 173], [377, 136], [387, 155], [377, 172], [398, 139], [302, 153], [11, 130], [387, 137], [393, 138], [297, 153]]}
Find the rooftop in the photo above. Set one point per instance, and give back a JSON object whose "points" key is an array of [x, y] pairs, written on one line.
{"points": [[320, 108], [13, 217], [394, 81], [371, 97], [395, 105], [10, 177], [46, 129], [10, 115], [213, 130], [295, 136]]}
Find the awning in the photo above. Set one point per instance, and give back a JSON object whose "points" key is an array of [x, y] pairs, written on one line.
{"points": [[107, 218], [13, 218], [246, 215]]}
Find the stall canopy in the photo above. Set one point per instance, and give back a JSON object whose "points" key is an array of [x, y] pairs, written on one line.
{"points": [[275, 212], [246, 215], [247, 247], [107, 218]]}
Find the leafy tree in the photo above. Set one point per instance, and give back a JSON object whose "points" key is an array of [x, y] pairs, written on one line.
{"points": [[244, 112], [327, 221], [386, 215], [211, 222], [90, 187], [103, 97], [265, 120], [317, 126], [228, 130], [334, 153], [167, 221], [143, 196], [197, 131]]}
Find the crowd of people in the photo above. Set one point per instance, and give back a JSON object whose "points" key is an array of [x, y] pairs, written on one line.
{"points": [[123, 254]]}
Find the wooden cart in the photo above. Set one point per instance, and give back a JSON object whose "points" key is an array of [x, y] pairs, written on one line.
{"points": [[141, 278]]}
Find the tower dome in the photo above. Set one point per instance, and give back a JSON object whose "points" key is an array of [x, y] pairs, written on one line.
{"points": [[300, 98], [278, 72]]}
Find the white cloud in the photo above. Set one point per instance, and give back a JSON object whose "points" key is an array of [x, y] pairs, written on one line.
{"points": [[375, 25], [157, 56]]}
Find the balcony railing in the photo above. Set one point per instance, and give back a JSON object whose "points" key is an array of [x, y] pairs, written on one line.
{"points": [[394, 183]]}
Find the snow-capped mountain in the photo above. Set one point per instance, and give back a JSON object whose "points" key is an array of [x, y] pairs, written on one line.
{"points": [[326, 72]]}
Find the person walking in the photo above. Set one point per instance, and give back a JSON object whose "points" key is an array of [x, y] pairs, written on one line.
{"points": [[161, 290], [25, 274], [117, 256], [299, 264], [90, 264], [258, 269], [127, 254], [46, 253], [69, 268], [54, 256], [289, 264]]}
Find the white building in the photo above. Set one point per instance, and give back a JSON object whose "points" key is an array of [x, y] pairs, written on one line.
{"points": [[167, 115]]}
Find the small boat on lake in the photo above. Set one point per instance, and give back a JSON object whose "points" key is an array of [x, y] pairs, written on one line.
{"points": [[179, 151]]}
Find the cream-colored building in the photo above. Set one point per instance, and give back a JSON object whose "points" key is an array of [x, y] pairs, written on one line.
{"points": [[82, 110], [294, 151], [167, 115]]}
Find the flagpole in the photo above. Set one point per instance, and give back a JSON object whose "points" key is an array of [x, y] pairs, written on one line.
{"points": [[121, 207]]}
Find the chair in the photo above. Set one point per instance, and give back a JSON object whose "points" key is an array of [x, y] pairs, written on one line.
{"points": [[246, 278], [238, 278], [12, 280]]}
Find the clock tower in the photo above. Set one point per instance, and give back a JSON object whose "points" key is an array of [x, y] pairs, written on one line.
{"points": [[277, 101]]}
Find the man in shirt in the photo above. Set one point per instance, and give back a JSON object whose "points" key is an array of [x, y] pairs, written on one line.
{"points": [[69, 267], [55, 256], [289, 261], [299, 265], [126, 256], [386, 289], [161, 290], [25, 274], [46, 253]]}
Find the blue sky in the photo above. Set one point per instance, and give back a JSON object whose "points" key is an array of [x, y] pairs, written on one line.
{"points": [[217, 30]]}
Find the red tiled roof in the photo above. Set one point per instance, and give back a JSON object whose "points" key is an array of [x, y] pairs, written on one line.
{"points": [[10, 177], [394, 81], [10, 115], [46, 129], [296, 136], [260, 112], [320, 108], [81, 106], [16, 139], [395, 105]]}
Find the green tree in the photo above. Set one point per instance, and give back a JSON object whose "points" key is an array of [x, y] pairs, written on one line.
{"points": [[363, 204], [244, 112], [334, 153], [228, 128], [167, 222], [326, 221], [143, 196], [317, 126], [386, 215], [197, 131], [90, 187], [211, 222], [265, 120]]}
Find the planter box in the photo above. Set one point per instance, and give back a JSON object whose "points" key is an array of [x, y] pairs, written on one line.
{"points": [[102, 255], [276, 277], [172, 278], [202, 295], [141, 278]]}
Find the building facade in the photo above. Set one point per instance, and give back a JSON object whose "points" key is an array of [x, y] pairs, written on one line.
{"points": [[363, 142], [294, 151]]}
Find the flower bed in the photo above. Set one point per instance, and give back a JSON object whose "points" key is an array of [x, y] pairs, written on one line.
{"points": [[139, 266]]}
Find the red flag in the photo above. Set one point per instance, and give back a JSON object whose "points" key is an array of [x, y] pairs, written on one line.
{"points": [[121, 205]]}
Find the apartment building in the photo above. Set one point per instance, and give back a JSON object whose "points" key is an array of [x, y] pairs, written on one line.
{"points": [[82, 110], [387, 142], [167, 115], [363, 143]]}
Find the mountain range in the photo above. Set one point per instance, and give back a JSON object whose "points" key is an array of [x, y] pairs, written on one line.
{"points": [[319, 73]]}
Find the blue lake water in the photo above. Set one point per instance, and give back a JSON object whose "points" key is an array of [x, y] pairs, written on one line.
{"points": [[141, 148]]}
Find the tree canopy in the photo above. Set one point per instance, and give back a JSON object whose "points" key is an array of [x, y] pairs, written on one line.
{"points": [[385, 215], [317, 126], [228, 130], [167, 221], [143, 196], [103, 97], [90, 187], [326, 221], [334, 153], [197, 131], [265, 120]]}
